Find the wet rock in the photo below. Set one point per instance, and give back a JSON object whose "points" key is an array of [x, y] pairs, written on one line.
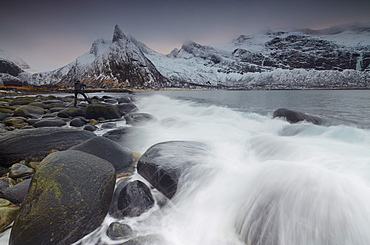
{"points": [[35, 144], [71, 112], [4, 115], [164, 163], [22, 100], [126, 108], [118, 134], [15, 122], [124, 99], [107, 111], [69, 197], [32, 121], [49, 122], [8, 213], [39, 104], [136, 119], [17, 193], [131, 199], [111, 101], [28, 111], [19, 170], [120, 157], [56, 104], [77, 122], [56, 109], [296, 116], [6, 109], [90, 128], [117, 231]]}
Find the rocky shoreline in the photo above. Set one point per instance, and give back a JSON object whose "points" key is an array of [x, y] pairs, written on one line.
{"points": [[60, 179]]}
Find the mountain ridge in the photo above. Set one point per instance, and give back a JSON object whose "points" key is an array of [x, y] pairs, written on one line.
{"points": [[270, 59]]}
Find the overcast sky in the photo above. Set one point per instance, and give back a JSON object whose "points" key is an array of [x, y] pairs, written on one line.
{"points": [[49, 34]]}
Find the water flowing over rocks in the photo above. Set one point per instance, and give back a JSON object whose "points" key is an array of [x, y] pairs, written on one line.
{"points": [[72, 190], [136, 119], [69, 187], [146, 240], [164, 163]]}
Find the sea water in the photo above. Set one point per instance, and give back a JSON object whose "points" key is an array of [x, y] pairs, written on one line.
{"points": [[262, 181]]}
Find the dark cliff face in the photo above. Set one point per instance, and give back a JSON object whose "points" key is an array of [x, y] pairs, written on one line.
{"points": [[301, 51], [9, 67]]}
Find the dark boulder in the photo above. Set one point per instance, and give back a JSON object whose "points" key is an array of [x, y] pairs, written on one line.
{"points": [[124, 99], [22, 100], [69, 197], [110, 100], [35, 144], [71, 112], [28, 111], [49, 122], [77, 122], [16, 193], [120, 157], [164, 163], [136, 119], [15, 122], [126, 108], [118, 134], [90, 128], [117, 231], [56, 109], [4, 115], [296, 116], [98, 110], [131, 199], [39, 104]]}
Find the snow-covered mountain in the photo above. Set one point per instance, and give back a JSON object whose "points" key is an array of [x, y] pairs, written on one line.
{"points": [[109, 63], [13, 70], [334, 57]]}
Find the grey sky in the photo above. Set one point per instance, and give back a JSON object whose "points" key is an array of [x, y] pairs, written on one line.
{"points": [[50, 34]]}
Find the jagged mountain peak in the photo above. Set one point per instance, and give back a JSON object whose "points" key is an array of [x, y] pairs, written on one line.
{"points": [[118, 34]]}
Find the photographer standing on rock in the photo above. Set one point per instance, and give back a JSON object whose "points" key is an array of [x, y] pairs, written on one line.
{"points": [[79, 90]]}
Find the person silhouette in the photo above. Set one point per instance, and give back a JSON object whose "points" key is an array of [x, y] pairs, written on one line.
{"points": [[79, 87]]}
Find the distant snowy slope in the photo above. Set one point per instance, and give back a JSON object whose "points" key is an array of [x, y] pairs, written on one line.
{"points": [[273, 57], [16, 60]]}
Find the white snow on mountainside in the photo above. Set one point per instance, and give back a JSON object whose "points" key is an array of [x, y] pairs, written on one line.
{"points": [[276, 59], [336, 57], [16, 60]]}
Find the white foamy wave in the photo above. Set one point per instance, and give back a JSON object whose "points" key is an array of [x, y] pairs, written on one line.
{"points": [[262, 182]]}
